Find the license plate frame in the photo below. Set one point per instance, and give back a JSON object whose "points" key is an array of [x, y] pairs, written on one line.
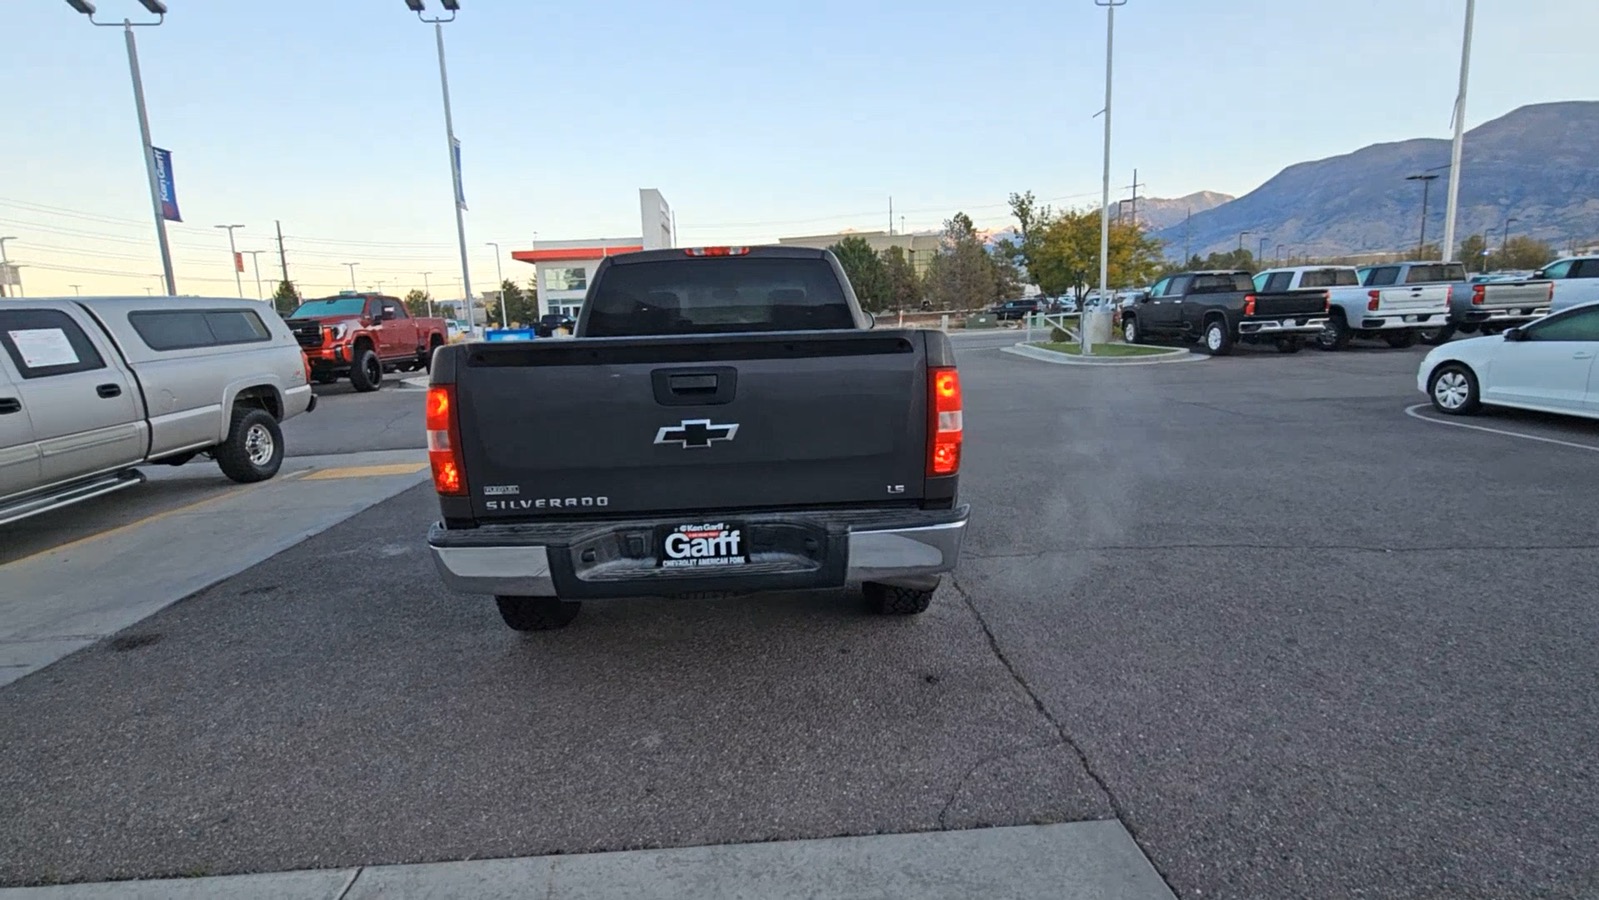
{"points": [[703, 546]]}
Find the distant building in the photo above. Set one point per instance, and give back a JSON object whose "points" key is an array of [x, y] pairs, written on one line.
{"points": [[563, 269], [919, 249]]}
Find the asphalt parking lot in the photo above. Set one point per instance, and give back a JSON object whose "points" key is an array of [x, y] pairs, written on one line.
{"points": [[1297, 641]]}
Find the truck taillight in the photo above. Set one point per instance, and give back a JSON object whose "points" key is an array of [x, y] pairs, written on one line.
{"points": [[1373, 298], [1326, 301], [1477, 292], [444, 442], [1249, 304], [944, 427], [1551, 296], [717, 251]]}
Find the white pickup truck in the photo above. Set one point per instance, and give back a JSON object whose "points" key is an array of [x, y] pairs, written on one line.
{"points": [[1576, 281], [91, 388], [1393, 303]]}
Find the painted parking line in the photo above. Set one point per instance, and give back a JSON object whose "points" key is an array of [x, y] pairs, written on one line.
{"points": [[365, 471], [1413, 412]]}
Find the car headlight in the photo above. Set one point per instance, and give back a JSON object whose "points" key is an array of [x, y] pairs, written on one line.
{"points": [[339, 331]]}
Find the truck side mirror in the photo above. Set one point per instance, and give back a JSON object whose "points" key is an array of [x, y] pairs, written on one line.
{"points": [[1539, 274]]}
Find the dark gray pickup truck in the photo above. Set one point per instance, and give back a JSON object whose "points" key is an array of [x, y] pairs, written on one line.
{"points": [[724, 421]]}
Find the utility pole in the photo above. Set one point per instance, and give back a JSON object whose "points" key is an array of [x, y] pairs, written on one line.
{"points": [[891, 215], [233, 259], [351, 266], [427, 291], [1135, 186], [1188, 236], [1453, 203], [5, 265], [283, 258], [1504, 243], [1426, 180], [1104, 198], [505, 321], [75, 290]]}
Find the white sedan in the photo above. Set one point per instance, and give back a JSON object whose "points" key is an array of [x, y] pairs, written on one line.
{"points": [[1546, 365]]}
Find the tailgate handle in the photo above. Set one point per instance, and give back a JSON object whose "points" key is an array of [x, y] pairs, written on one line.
{"points": [[692, 384], [702, 386]]}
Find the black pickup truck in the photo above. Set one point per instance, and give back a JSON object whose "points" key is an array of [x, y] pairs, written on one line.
{"points": [[1220, 309], [726, 420]]}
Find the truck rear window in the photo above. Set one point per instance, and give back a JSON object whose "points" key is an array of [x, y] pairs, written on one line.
{"points": [[717, 295], [1321, 278], [1221, 284], [1431, 274]]}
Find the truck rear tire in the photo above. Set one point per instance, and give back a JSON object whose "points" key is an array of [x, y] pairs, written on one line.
{"points": [[1432, 337], [1288, 345], [1401, 339], [1132, 332], [253, 450], [1335, 335], [366, 372], [427, 359], [537, 613], [888, 600], [1216, 339]]}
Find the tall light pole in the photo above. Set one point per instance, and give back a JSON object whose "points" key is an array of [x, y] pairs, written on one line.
{"points": [[76, 290], [500, 274], [233, 259], [1460, 125], [255, 260], [159, 9], [380, 286], [1426, 179], [1504, 243], [5, 264], [352, 266], [453, 146], [1241, 236], [1261, 253], [1104, 197], [427, 290]]}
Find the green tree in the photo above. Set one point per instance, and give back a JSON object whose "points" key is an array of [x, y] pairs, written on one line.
{"points": [[962, 275], [1062, 253], [1522, 252], [1424, 252], [416, 302], [1473, 252], [286, 298], [904, 286], [865, 270], [522, 309]]}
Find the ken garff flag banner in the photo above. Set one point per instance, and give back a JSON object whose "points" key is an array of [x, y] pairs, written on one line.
{"points": [[163, 181], [460, 192]]}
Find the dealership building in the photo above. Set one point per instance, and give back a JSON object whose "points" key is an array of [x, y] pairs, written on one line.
{"points": [[563, 269]]}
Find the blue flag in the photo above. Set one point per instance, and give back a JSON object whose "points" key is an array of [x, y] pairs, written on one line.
{"points": [[163, 181]]}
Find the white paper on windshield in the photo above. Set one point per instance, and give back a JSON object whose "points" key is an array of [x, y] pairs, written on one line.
{"points": [[42, 347]]}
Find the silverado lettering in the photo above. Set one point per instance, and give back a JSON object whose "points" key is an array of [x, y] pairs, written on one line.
{"points": [[547, 503]]}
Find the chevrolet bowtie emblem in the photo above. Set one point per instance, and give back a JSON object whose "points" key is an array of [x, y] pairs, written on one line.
{"points": [[695, 433]]}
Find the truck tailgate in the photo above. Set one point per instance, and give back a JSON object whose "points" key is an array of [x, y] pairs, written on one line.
{"points": [[602, 426], [1425, 298], [1528, 295], [1291, 304]]}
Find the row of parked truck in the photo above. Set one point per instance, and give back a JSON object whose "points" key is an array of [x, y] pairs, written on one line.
{"points": [[1398, 303]]}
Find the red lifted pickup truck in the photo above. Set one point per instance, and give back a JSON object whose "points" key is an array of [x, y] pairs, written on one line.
{"points": [[362, 336]]}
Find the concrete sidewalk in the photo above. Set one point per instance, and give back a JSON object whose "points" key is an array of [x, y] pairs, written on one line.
{"points": [[63, 599], [1089, 860]]}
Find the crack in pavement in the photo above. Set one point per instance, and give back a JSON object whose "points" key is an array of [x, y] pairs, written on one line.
{"points": [[1309, 548], [960, 783], [1038, 703]]}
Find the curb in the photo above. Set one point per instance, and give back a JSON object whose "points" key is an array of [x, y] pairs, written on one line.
{"points": [[1174, 355], [420, 382]]}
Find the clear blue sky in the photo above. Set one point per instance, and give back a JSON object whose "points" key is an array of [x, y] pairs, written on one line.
{"points": [[756, 119]]}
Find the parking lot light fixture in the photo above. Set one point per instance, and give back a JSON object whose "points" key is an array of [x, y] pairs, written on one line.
{"points": [[451, 144], [159, 10]]}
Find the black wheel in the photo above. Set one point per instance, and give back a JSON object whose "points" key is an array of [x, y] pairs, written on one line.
{"points": [[366, 373], [537, 613], [1132, 332], [1432, 337], [1453, 390], [1216, 339], [1335, 335], [888, 600], [1288, 345], [253, 450], [427, 358], [1399, 340]]}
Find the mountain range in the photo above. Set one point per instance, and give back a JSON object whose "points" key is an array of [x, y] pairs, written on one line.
{"points": [[1537, 166]]}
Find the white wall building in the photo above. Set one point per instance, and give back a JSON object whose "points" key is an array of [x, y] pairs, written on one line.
{"points": [[565, 268]]}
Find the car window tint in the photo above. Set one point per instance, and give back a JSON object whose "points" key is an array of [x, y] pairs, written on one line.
{"points": [[1582, 325], [1585, 268], [1321, 278], [1280, 281], [185, 329], [46, 342]]}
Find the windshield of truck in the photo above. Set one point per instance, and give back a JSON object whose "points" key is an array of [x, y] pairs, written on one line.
{"points": [[1431, 274], [718, 295], [1321, 278], [332, 306], [1223, 283]]}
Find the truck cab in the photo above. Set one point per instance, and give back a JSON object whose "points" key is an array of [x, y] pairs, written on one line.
{"points": [[1576, 281]]}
